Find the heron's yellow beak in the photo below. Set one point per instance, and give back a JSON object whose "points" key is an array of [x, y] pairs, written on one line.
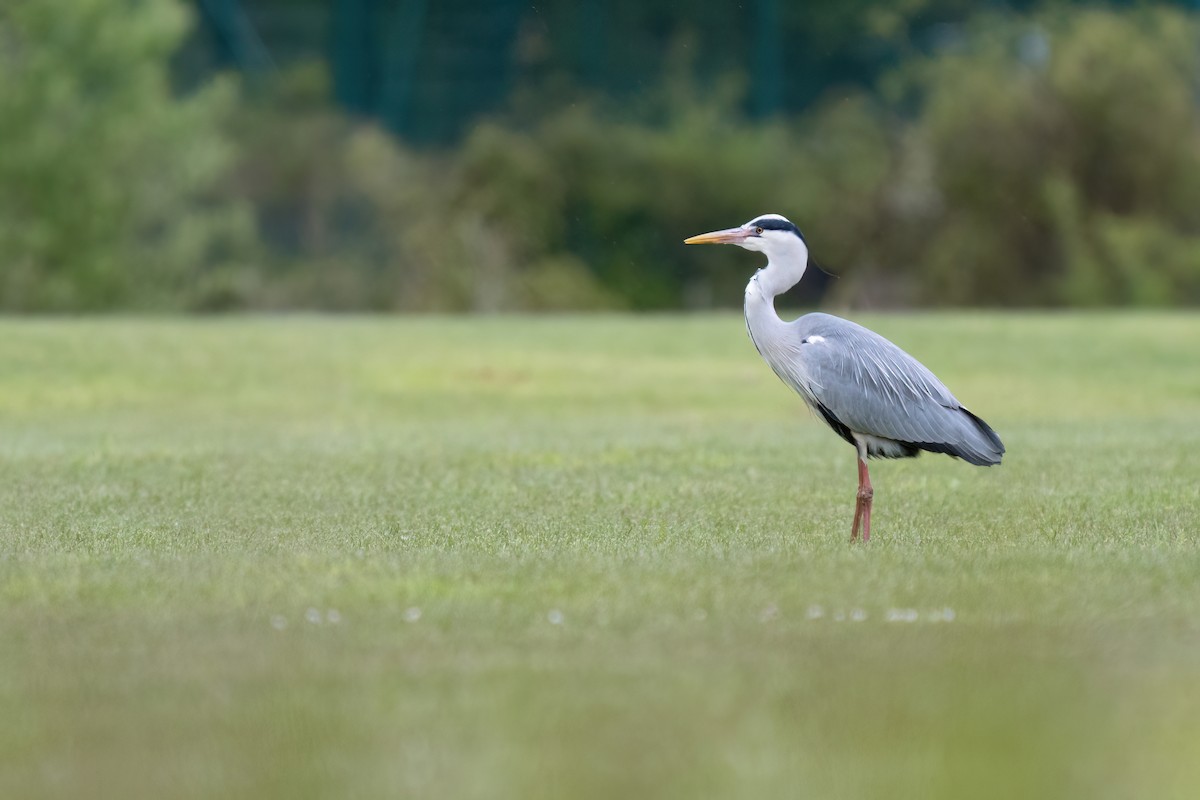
{"points": [[728, 236]]}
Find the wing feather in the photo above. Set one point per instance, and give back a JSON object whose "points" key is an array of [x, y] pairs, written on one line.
{"points": [[871, 386]]}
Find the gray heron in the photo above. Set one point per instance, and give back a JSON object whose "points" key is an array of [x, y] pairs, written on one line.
{"points": [[873, 394]]}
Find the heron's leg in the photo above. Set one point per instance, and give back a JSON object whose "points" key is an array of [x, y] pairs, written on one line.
{"points": [[865, 496], [858, 509], [862, 504]]}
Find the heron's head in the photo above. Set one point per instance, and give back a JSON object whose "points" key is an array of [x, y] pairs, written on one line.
{"points": [[772, 234]]}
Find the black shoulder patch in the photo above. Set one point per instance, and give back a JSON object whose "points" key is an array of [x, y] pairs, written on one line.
{"points": [[832, 421]]}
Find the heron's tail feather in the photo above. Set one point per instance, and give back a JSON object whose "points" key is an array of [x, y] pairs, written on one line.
{"points": [[978, 445], [993, 440]]}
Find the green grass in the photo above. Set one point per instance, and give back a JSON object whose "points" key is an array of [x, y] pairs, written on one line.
{"points": [[172, 493]]}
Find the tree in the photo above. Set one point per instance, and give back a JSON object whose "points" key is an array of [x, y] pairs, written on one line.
{"points": [[1065, 153], [107, 180]]}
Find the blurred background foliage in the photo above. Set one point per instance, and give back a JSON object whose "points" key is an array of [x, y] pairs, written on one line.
{"points": [[486, 156]]}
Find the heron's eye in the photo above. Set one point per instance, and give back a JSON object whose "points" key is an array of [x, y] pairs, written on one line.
{"points": [[758, 231]]}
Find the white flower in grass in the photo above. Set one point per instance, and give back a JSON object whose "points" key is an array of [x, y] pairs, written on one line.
{"points": [[555, 617], [412, 614]]}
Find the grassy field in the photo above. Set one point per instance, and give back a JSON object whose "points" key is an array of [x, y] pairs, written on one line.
{"points": [[589, 557]]}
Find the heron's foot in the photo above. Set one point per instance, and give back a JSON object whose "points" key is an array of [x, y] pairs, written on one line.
{"points": [[862, 514], [865, 497]]}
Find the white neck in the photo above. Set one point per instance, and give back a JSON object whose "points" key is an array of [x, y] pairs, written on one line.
{"points": [[785, 267]]}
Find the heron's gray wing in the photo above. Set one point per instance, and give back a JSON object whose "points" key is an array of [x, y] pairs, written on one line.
{"points": [[872, 386]]}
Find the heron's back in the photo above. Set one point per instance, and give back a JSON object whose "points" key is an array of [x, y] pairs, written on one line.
{"points": [[861, 383]]}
